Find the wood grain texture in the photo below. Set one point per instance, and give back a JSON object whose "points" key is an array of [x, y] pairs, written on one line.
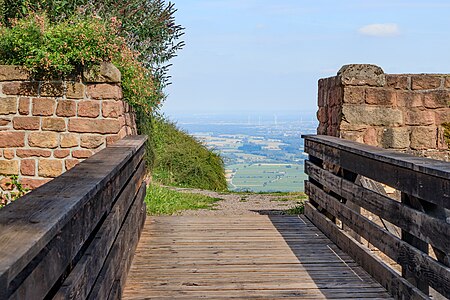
{"points": [[242, 257]]}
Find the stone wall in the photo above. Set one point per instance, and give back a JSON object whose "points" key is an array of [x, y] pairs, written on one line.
{"points": [[403, 112], [47, 127]]}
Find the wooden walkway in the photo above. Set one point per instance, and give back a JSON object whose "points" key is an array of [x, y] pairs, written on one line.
{"points": [[243, 257]]}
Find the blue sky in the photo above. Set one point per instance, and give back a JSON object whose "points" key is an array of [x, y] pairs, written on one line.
{"points": [[267, 55]]}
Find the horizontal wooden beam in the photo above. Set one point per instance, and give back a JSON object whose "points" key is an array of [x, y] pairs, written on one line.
{"points": [[425, 267], [428, 228], [393, 282]]}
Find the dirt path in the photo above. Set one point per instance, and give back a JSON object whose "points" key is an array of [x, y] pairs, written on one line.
{"points": [[243, 204]]}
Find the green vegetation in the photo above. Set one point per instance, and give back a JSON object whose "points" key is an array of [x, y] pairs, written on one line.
{"points": [[163, 201], [446, 132], [13, 184], [297, 210], [181, 160], [260, 177]]}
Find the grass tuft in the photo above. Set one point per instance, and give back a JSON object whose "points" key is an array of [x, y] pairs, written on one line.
{"points": [[163, 201]]}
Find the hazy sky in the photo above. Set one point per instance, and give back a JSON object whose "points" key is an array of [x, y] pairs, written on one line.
{"points": [[267, 55]]}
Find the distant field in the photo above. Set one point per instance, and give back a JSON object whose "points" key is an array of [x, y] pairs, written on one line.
{"points": [[267, 177]]}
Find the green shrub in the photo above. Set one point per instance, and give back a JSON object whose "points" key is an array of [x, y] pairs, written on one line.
{"points": [[181, 160]]}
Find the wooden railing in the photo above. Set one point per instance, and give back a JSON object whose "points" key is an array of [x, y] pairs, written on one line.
{"points": [[74, 237], [349, 204]]}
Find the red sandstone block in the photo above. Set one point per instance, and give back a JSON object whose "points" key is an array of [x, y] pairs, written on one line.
{"points": [[43, 106], [409, 99], [425, 82], [354, 94], [4, 122], [92, 141], [104, 91], [32, 183], [52, 89], [24, 88], [28, 167], [69, 140], [12, 139], [66, 108], [112, 109], [381, 96], [9, 153], [70, 163], [442, 115], [81, 153], [447, 82], [111, 139], [61, 153], [322, 115], [75, 90], [26, 123], [11, 73], [33, 153], [9, 167], [436, 99], [371, 136], [90, 109], [419, 117], [8, 105], [50, 167], [53, 124], [43, 139], [24, 106], [399, 82], [103, 126]]}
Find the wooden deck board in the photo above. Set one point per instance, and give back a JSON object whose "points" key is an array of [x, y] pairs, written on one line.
{"points": [[243, 257]]}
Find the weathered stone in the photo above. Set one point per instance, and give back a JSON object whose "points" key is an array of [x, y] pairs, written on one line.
{"points": [[32, 183], [69, 140], [396, 137], [416, 116], [371, 136], [105, 72], [22, 88], [362, 74], [12, 73], [322, 115], [423, 137], [26, 123], [9, 167], [33, 153], [8, 105], [112, 109], [24, 106], [447, 82], [12, 139], [380, 96], [355, 136], [111, 139], [425, 82], [399, 82], [436, 99], [54, 124], [61, 153], [81, 153], [28, 167], [75, 90], [90, 109], [104, 91], [372, 115], [50, 167], [70, 163], [43, 139], [6, 184], [91, 141], [409, 99], [5, 122], [43, 106], [52, 89], [354, 94], [103, 126], [66, 108], [442, 115], [9, 153]]}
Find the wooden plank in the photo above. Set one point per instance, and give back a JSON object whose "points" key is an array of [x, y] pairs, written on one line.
{"points": [[124, 246], [393, 282], [426, 227], [29, 224], [81, 279], [290, 258], [60, 253], [425, 267], [403, 175]]}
